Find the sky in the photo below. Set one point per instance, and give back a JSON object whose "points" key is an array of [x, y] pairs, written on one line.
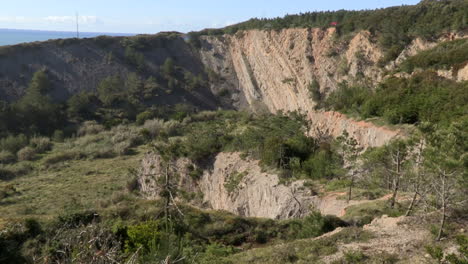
{"points": [[152, 16]]}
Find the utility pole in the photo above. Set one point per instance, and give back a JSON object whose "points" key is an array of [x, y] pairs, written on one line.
{"points": [[77, 26]]}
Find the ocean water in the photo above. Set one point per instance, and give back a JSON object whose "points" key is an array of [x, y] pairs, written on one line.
{"points": [[13, 36]]}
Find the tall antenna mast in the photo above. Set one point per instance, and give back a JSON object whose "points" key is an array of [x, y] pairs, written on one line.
{"points": [[77, 27]]}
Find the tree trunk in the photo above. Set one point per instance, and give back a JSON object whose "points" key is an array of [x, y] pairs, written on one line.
{"points": [[350, 189], [444, 208], [395, 191], [442, 223], [413, 201]]}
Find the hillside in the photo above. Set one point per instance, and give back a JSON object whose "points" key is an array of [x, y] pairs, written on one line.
{"points": [[287, 140]]}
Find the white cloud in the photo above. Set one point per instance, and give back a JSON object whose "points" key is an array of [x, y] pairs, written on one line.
{"points": [[14, 19], [69, 19]]}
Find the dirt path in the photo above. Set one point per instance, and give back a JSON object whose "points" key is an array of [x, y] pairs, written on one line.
{"points": [[392, 236]]}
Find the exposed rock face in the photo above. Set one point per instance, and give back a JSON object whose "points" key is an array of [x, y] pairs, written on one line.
{"points": [[257, 193], [235, 185], [272, 71], [241, 187]]}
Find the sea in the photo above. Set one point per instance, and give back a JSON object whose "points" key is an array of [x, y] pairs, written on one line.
{"points": [[15, 36]]}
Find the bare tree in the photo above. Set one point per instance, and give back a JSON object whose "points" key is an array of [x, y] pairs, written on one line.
{"points": [[445, 158], [417, 176]]}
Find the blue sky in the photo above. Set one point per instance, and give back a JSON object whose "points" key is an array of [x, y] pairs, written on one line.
{"points": [[151, 16]]}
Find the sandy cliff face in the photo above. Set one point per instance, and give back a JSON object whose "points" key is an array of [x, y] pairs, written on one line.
{"points": [[239, 186], [272, 70]]}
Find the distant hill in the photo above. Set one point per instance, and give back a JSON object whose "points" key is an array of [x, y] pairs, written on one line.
{"points": [[17, 36]]}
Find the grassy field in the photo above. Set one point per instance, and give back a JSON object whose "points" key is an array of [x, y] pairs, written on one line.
{"points": [[68, 186]]}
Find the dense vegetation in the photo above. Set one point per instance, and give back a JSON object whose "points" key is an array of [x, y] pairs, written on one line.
{"points": [[422, 97], [278, 141], [394, 27], [443, 56], [124, 225], [68, 188], [115, 101]]}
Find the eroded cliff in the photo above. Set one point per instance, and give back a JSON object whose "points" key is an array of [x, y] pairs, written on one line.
{"points": [[272, 71], [240, 186]]}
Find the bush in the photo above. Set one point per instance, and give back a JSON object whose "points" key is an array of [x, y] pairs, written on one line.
{"points": [[143, 116], [443, 56], [7, 157], [26, 154], [21, 168], [123, 133], [144, 236], [90, 128], [171, 128], [122, 148], [405, 100], [133, 185], [315, 225], [58, 136], [154, 127], [352, 257], [13, 143], [40, 144], [11, 171]]}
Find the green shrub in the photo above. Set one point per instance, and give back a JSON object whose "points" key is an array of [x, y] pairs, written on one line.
{"points": [[26, 154], [154, 127], [90, 128], [8, 172], [123, 148], [21, 168], [76, 219], [352, 257], [13, 143], [233, 181], [215, 252], [195, 173], [315, 225], [336, 184], [144, 236], [442, 56], [127, 134], [40, 144], [58, 136], [405, 100], [143, 116], [7, 157], [362, 214]]}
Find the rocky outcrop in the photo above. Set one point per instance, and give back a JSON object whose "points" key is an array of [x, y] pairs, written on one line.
{"points": [[232, 184], [240, 186], [272, 71]]}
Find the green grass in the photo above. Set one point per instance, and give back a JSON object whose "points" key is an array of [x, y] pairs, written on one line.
{"points": [[70, 185]]}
